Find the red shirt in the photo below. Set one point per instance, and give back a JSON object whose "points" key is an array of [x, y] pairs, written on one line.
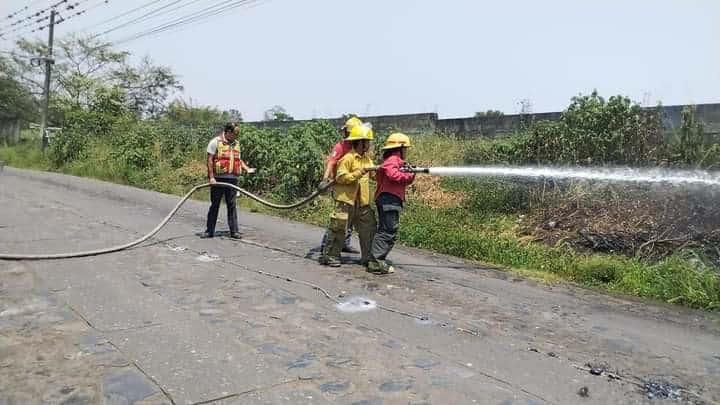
{"points": [[390, 179], [338, 151]]}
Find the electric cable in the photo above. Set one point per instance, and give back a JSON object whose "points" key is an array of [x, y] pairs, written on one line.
{"points": [[116, 17], [189, 19], [150, 14]]}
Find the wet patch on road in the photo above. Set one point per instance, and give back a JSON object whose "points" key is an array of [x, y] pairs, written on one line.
{"points": [[302, 362], [425, 363], [393, 344], [356, 304], [334, 387], [396, 386], [271, 348], [206, 257], [127, 386], [287, 300], [424, 321]]}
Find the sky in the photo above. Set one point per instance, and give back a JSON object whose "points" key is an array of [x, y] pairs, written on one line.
{"points": [[325, 58]]}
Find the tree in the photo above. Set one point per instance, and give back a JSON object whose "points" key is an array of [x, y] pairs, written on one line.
{"points": [[689, 142], [84, 66], [16, 101], [489, 114], [147, 86], [277, 113], [81, 65], [182, 113], [593, 129], [232, 115]]}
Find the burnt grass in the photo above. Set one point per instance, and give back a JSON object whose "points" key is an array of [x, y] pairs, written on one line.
{"points": [[644, 221]]}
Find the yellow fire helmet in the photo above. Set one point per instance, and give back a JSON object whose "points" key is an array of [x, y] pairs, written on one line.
{"points": [[351, 123], [397, 140], [360, 132]]}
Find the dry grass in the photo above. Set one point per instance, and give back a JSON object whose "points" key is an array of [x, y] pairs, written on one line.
{"points": [[428, 190]]}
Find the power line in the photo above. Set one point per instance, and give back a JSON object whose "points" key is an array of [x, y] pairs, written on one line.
{"points": [[81, 12], [38, 13], [72, 10], [176, 24], [38, 17], [143, 17], [190, 19], [114, 18], [21, 10]]}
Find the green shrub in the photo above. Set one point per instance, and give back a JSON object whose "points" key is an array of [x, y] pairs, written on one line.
{"points": [[677, 280], [591, 130], [503, 151], [289, 164], [131, 146], [598, 270]]}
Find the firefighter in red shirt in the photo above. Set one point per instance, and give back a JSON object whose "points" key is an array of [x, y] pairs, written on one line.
{"points": [[338, 151], [389, 198]]}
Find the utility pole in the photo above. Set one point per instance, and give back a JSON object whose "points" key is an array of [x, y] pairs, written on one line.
{"points": [[46, 91]]}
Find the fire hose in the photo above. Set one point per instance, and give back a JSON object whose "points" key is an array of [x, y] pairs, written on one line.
{"points": [[321, 189], [315, 194]]}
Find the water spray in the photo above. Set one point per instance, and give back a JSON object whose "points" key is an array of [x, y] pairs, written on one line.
{"points": [[665, 176]]}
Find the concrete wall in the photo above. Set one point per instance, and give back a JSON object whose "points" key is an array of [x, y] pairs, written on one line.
{"points": [[491, 126], [709, 114], [9, 131], [409, 123]]}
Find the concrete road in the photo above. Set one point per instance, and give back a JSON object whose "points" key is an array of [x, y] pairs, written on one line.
{"points": [[183, 320]]}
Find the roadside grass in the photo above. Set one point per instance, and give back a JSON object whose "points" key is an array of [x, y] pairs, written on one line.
{"points": [[25, 156], [476, 221]]}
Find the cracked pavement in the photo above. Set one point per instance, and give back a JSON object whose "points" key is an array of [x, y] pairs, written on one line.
{"points": [[183, 320]]}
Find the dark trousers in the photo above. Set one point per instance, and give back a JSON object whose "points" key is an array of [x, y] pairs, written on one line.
{"points": [[389, 208], [216, 195], [326, 235]]}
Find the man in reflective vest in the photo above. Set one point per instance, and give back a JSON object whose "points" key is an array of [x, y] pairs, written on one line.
{"points": [[224, 166]]}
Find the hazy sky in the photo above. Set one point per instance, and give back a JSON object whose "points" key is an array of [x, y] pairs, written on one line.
{"points": [[329, 57]]}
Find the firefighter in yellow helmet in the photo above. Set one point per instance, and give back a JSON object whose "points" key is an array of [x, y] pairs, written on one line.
{"points": [[339, 150], [392, 181], [352, 199]]}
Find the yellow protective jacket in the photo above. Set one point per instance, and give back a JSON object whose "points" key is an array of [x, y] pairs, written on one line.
{"points": [[350, 183]]}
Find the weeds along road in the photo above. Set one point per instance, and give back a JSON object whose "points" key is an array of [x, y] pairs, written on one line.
{"points": [[184, 320]]}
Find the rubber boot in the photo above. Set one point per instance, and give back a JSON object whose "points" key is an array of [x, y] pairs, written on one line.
{"points": [[374, 267]]}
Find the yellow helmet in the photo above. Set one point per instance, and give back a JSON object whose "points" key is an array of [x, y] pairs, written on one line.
{"points": [[360, 132], [351, 123], [397, 140]]}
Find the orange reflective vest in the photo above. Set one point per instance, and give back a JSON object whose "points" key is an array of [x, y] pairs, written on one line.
{"points": [[227, 157]]}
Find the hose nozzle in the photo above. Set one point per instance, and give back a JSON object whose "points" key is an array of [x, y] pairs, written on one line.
{"points": [[414, 169]]}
